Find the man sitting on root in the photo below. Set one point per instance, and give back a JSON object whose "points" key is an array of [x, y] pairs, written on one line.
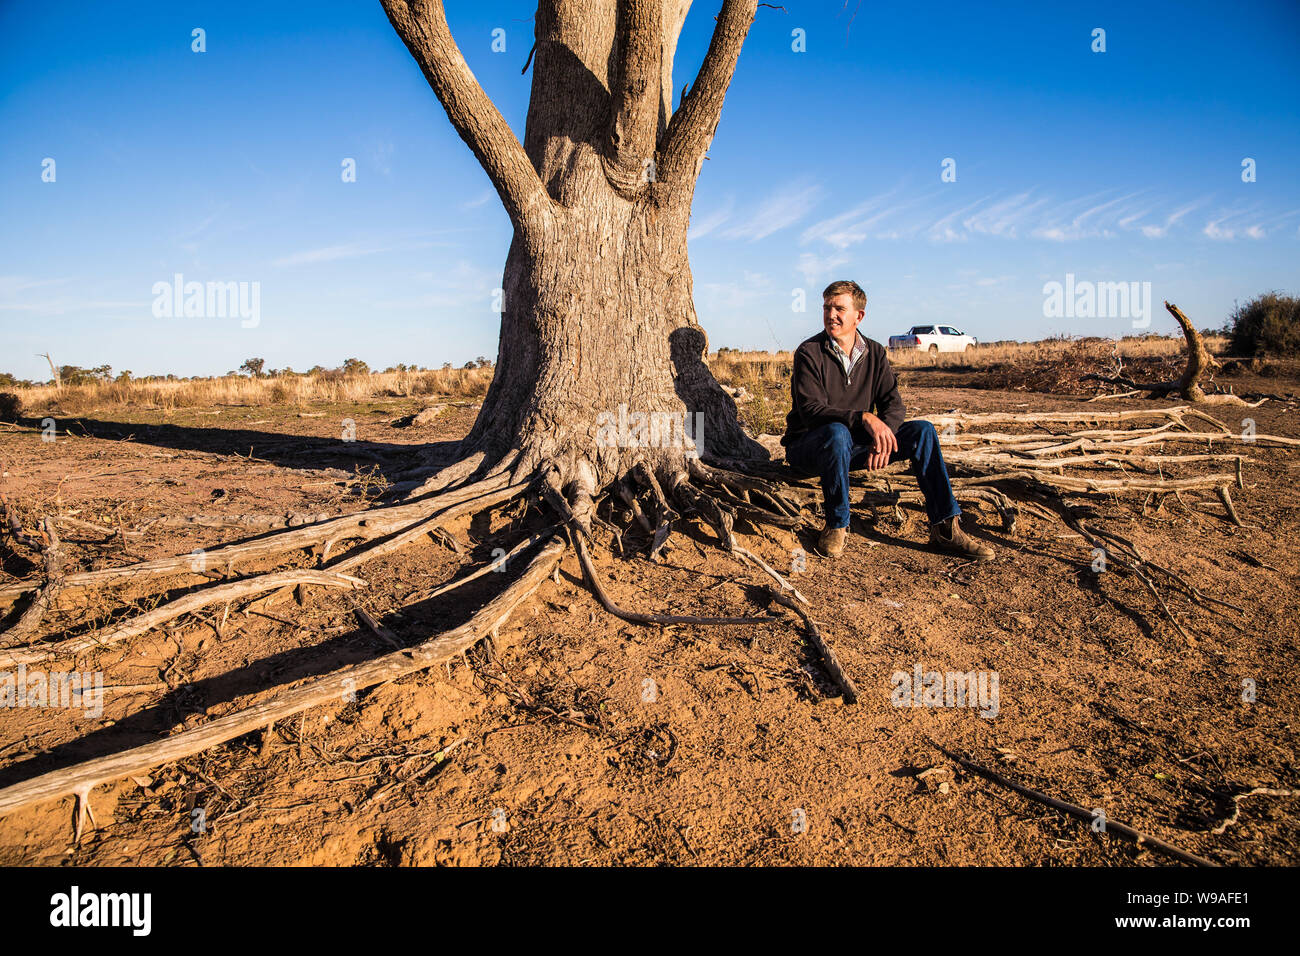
{"points": [[839, 377]]}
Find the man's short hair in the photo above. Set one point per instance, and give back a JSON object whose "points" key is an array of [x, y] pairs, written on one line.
{"points": [[841, 286]]}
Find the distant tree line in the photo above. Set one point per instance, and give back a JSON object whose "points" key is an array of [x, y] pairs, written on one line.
{"points": [[253, 368], [256, 368]]}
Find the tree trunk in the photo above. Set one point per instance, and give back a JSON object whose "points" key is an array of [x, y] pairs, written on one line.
{"points": [[600, 360], [599, 329]]}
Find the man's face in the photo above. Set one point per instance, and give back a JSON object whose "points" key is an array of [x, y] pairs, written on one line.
{"points": [[839, 317]]}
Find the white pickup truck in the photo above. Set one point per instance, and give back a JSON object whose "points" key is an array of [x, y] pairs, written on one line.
{"points": [[933, 339]]}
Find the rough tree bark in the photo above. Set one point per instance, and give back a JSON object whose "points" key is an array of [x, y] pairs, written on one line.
{"points": [[597, 311]]}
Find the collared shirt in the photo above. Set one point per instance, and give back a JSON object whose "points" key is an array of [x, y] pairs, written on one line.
{"points": [[848, 361]]}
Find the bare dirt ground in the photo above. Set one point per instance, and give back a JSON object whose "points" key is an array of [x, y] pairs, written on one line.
{"points": [[586, 740]]}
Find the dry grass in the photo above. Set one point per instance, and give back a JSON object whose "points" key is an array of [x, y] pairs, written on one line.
{"points": [[735, 368], [762, 374], [1051, 365], [292, 390]]}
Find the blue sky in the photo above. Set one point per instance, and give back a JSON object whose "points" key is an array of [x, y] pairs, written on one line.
{"points": [[1122, 166]]}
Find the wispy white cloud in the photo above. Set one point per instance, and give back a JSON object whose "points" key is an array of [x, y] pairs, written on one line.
{"points": [[353, 250], [783, 208], [485, 197], [817, 269], [1096, 220], [703, 225], [945, 229], [1004, 218], [1246, 223], [462, 285], [734, 296], [884, 216], [1160, 231], [1023, 215], [15, 285]]}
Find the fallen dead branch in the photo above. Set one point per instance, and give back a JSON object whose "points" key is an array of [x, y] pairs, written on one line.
{"points": [[1188, 385]]}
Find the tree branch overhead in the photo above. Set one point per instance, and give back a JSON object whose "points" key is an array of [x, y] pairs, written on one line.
{"points": [[422, 25], [692, 127]]}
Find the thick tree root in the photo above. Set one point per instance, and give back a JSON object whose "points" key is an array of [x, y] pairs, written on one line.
{"points": [[222, 593], [331, 688], [372, 523], [27, 626], [1020, 473], [664, 514], [637, 618], [846, 685], [714, 514]]}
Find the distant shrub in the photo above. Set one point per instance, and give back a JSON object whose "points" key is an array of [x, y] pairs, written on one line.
{"points": [[1269, 323], [11, 407]]}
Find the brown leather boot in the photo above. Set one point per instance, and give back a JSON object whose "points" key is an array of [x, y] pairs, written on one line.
{"points": [[831, 542], [948, 536]]}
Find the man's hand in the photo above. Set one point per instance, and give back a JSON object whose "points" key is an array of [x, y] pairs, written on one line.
{"points": [[883, 441]]}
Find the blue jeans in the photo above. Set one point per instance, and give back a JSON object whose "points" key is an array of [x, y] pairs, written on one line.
{"points": [[829, 451]]}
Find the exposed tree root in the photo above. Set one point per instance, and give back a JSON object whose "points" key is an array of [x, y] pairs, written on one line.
{"points": [[714, 514], [664, 514], [1079, 813], [221, 593], [786, 586], [500, 564], [368, 524], [425, 525], [339, 685], [832, 662], [27, 626], [638, 618], [1022, 473]]}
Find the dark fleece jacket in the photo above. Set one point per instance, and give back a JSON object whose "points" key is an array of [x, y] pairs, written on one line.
{"points": [[822, 393]]}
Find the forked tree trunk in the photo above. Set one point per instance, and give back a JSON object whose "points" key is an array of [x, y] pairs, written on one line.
{"points": [[598, 330]]}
